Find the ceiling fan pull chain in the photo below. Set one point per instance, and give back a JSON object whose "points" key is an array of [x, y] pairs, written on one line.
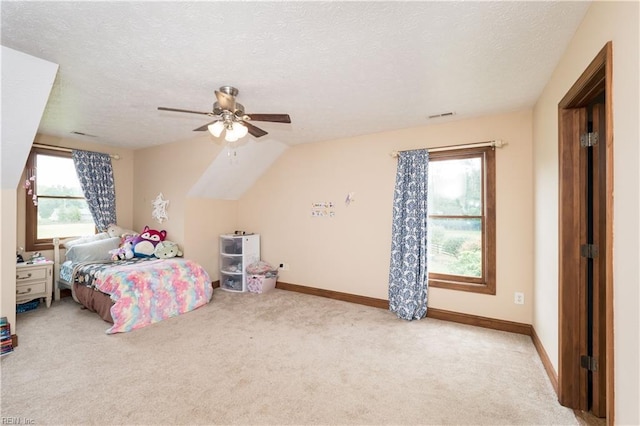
{"points": [[231, 153]]}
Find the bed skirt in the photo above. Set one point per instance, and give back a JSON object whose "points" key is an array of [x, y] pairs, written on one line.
{"points": [[95, 301]]}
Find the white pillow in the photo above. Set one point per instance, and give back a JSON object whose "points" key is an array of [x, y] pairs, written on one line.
{"points": [[87, 239], [94, 251]]}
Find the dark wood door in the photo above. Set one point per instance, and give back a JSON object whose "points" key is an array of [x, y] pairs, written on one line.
{"points": [[585, 252], [573, 379], [597, 280], [583, 268]]}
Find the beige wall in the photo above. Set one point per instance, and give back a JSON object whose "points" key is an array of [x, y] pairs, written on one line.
{"points": [[193, 223], [350, 252], [7, 251], [201, 235], [605, 21]]}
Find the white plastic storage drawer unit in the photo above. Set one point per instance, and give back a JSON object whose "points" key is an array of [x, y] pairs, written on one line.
{"points": [[236, 253]]}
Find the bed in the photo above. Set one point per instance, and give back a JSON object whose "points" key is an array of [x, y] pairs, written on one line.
{"points": [[129, 294]]}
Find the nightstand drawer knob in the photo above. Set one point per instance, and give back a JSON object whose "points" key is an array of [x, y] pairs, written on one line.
{"points": [[24, 292], [24, 278]]}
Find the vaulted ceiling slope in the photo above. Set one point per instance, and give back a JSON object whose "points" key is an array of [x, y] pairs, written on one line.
{"points": [[339, 69]]}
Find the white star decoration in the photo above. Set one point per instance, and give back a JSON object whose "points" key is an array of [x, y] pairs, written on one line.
{"points": [[160, 208]]}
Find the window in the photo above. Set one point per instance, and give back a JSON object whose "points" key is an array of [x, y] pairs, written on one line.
{"points": [[60, 209], [461, 222]]}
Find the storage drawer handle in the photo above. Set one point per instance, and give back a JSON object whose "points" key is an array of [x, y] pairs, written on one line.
{"points": [[24, 292], [24, 278]]}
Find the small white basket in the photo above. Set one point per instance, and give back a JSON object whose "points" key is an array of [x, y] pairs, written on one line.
{"points": [[260, 283]]}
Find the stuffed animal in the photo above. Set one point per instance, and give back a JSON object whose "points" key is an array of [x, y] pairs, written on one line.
{"points": [[117, 231], [166, 249], [145, 243], [125, 251]]}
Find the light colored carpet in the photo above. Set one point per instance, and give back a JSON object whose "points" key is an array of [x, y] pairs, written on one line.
{"points": [[275, 358]]}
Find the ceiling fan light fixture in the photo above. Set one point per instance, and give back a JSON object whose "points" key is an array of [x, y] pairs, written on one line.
{"points": [[235, 131], [229, 117], [216, 128], [240, 130], [230, 136]]}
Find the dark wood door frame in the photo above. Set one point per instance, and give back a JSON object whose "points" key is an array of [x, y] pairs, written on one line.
{"points": [[572, 116]]}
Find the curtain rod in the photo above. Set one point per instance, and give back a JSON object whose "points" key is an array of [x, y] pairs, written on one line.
{"points": [[59, 148], [494, 144]]}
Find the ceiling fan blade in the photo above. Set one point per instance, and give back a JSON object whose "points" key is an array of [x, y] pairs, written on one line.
{"points": [[275, 118], [183, 110], [226, 101], [255, 131], [205, 127]]}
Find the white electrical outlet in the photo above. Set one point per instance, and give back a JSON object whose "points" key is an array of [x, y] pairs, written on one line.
{"points": [[283, 267], [518, 298]]}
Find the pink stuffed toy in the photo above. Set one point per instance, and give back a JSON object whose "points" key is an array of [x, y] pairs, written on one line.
{"points": [[125, 251], [145, 243]]}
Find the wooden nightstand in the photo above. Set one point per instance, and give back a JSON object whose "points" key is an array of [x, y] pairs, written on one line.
{"points": [[34, 280]]}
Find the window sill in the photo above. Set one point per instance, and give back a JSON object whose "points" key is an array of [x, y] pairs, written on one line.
{"points": [[463, 286]]}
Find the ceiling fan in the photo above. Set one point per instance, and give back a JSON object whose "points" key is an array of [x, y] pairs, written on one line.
{"points": [[230, 116]]}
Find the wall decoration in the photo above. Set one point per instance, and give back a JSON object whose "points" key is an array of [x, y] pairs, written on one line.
{"points": [[350, 198], [160, 208], [322, 209], [322, 205], [323, 213], [30, 184]]}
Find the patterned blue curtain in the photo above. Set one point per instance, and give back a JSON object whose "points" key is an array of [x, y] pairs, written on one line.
{"points": [[96, 178], [408, 273]]}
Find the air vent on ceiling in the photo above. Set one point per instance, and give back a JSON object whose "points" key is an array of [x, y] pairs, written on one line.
{"points": [[83, 134], [444, 114]]}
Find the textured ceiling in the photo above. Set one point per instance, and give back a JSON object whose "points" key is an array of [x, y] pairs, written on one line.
{"points": [[338, 68]]}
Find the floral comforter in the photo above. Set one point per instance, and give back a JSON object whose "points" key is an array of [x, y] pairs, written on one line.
{"points": [[151, 291]]}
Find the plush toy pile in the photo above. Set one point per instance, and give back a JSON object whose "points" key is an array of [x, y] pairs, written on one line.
{"points": [[166, 249], [148, 243], [125, 251], [145, 243], [117, 231]]}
